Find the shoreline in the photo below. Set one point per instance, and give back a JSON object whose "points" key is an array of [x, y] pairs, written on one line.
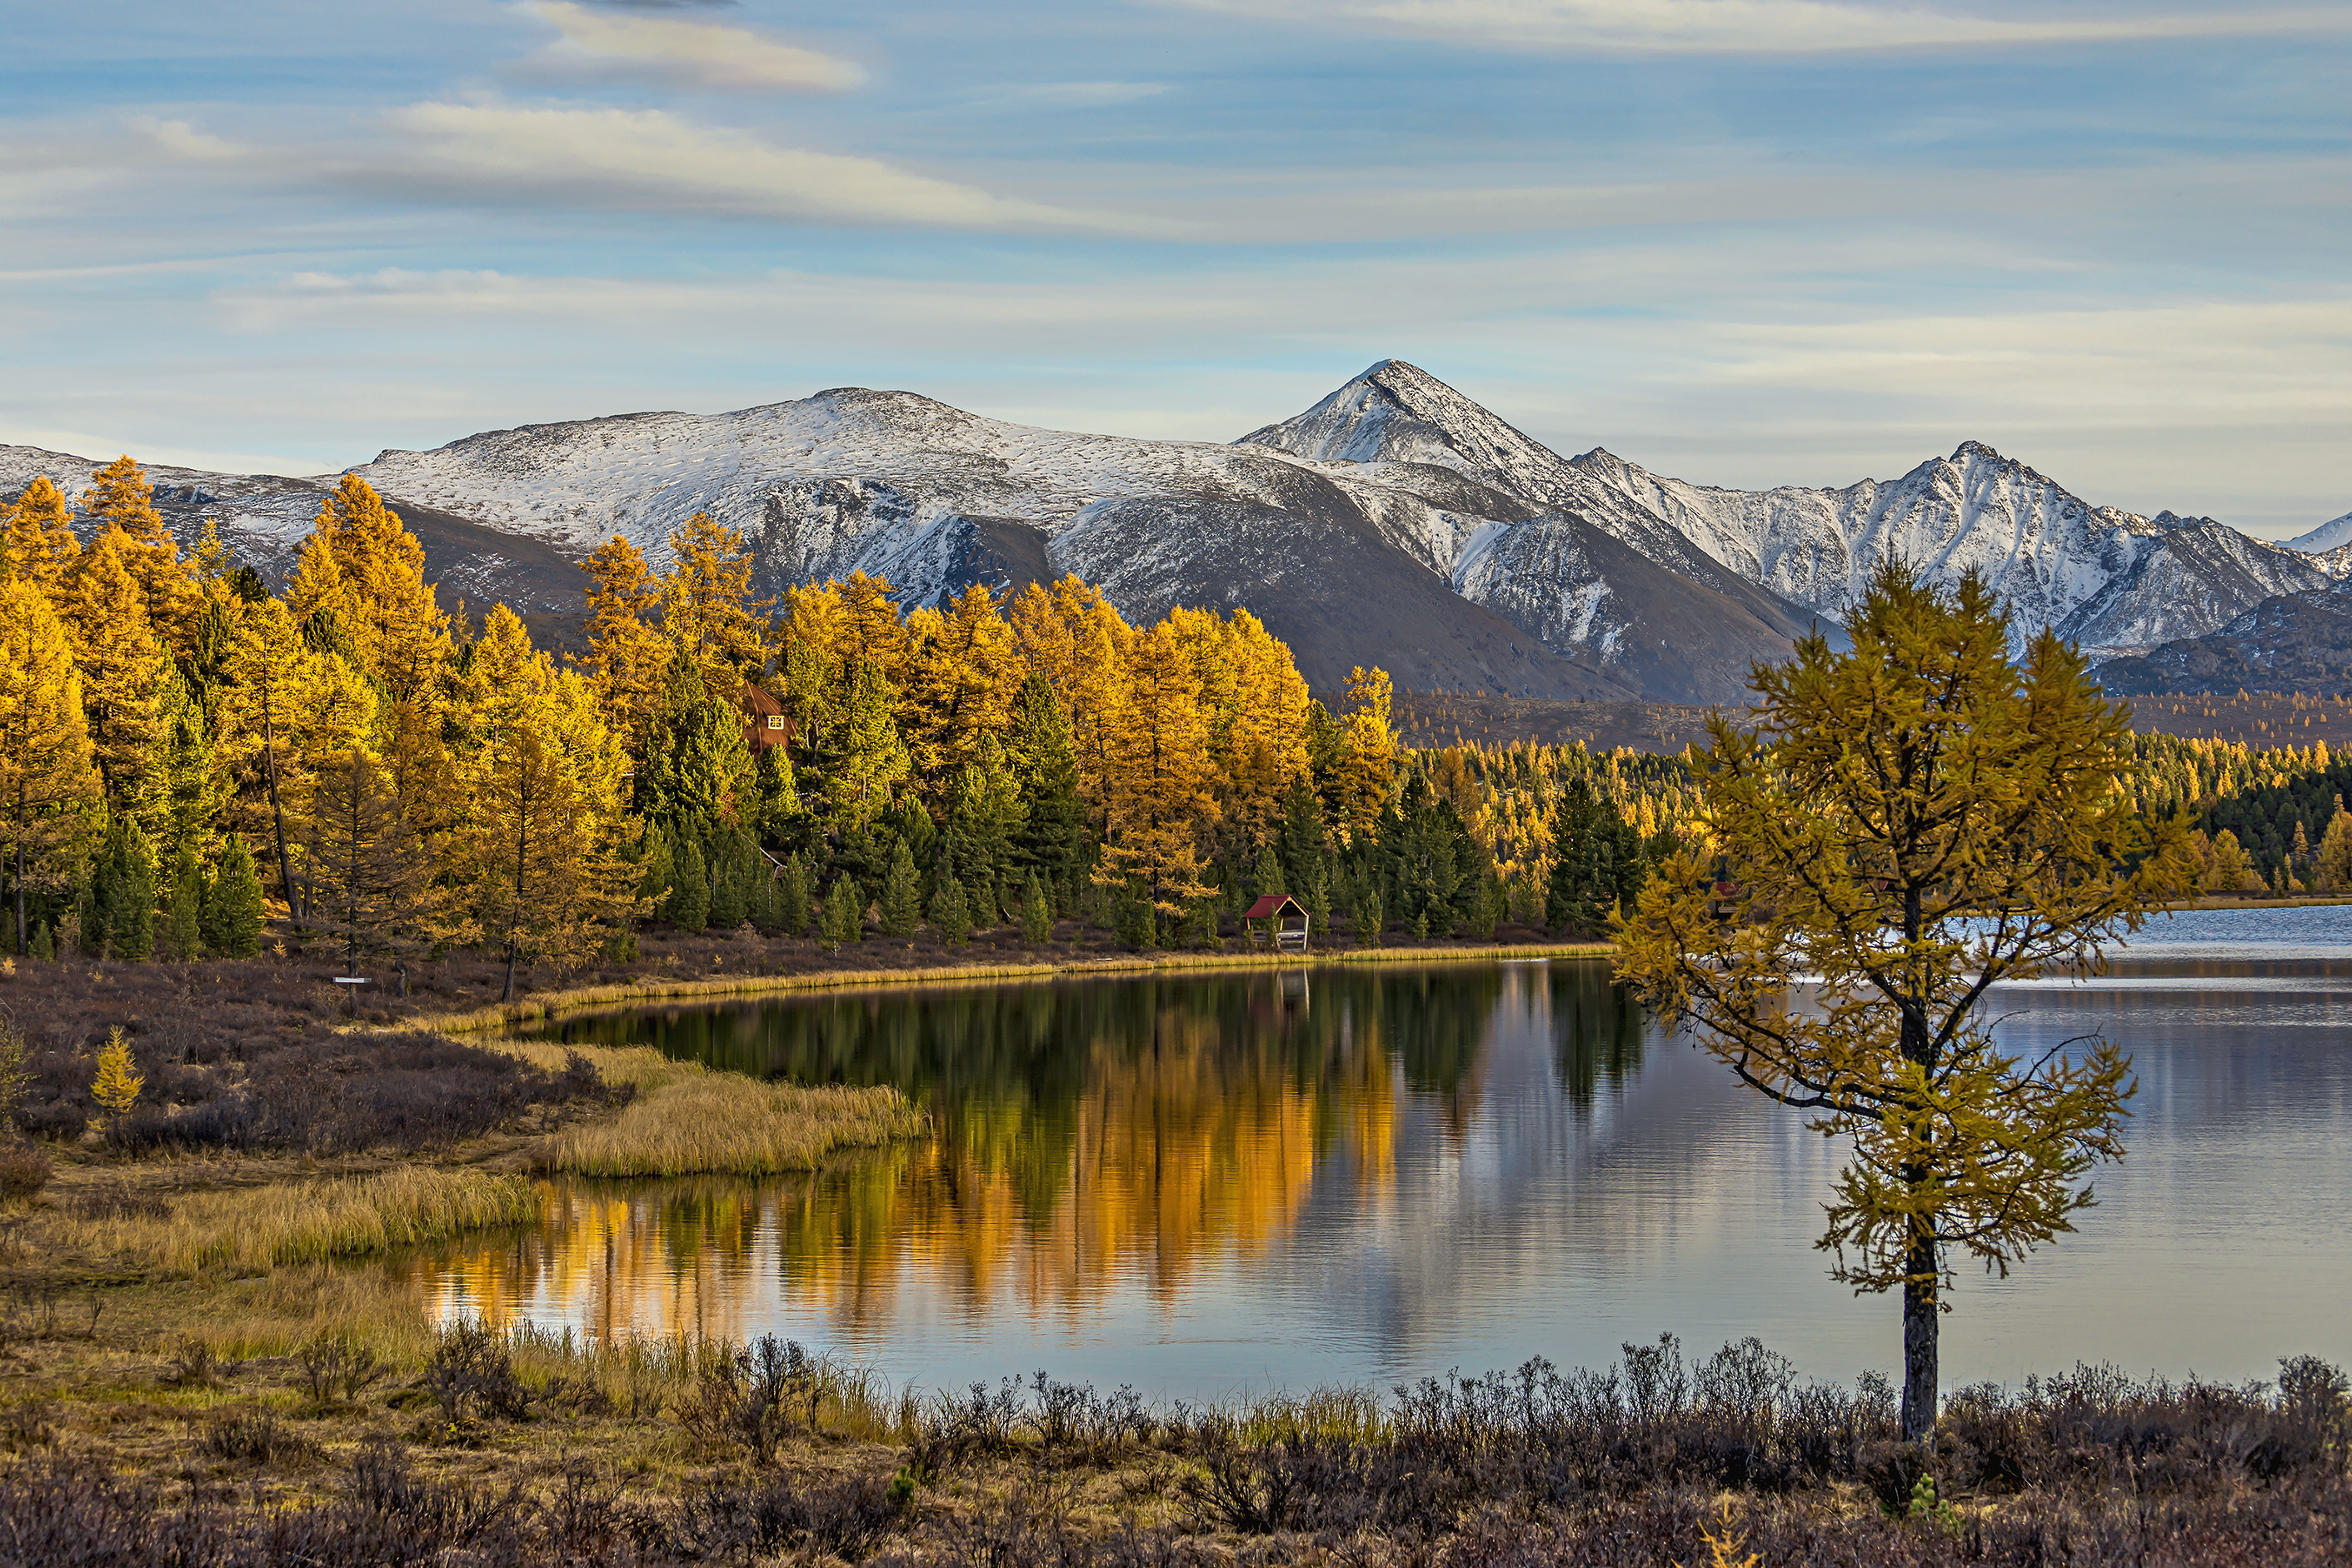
{"points": [[596, 999]]}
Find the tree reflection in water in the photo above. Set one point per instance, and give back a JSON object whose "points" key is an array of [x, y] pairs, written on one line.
{"points": [[1089, 1136]]}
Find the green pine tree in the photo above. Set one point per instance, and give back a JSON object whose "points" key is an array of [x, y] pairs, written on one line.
{"points": [[697, 770], [902, 894], [232, 902], [123, 896], [950, 915], [1051, 837], [689, 908], [1371, 916], [1036, 914], [730, 874], [844, 912], [183, 932], [794, 897], [42, 947]]}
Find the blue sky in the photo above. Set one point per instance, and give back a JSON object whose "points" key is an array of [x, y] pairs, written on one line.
{"points": [[1744, 242]]}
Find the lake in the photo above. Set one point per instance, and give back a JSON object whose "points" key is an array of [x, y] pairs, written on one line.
{"points": [[1223, 1180]]}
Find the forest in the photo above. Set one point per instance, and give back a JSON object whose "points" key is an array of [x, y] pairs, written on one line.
{"points": [[192, 765]]}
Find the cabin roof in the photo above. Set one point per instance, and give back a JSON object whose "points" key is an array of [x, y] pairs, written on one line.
{"points": [[1273, 904]]}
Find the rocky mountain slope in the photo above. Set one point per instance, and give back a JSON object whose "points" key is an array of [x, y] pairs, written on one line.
{"points": [[1395, 522], [2290, 643]]}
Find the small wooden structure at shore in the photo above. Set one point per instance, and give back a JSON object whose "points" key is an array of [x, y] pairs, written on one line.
{"points": [[1288, 923]]}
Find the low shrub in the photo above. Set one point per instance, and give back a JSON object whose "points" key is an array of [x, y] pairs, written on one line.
{"points": [[24, 1171]]}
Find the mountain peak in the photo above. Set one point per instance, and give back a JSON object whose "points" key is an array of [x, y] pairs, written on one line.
{"points": [[2331, 535]]}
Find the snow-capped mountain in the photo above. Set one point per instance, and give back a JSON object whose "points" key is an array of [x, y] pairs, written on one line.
{"points": [[2331, 535], [1395, 522]]}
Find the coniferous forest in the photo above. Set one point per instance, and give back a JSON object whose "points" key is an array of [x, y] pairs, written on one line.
{"points": [[192, 765]]}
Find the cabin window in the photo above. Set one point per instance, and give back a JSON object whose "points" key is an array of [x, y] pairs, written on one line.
{"points": [[775, 720]]}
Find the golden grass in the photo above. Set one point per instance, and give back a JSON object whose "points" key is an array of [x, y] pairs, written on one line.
{"points": [[689, 1120], [556, 1003], [252, 1228]]}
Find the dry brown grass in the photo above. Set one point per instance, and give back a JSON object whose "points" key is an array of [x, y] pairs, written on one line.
{"points": [[692, 1120], [249, 1229]]}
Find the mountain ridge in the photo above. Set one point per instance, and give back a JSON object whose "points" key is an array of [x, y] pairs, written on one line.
{"points": [[1396, 520]]}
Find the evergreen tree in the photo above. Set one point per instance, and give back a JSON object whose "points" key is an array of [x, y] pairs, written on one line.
{"points": [[183, 933], [48, 786], [1036, 914], [860, 756], [792, 896], [1371, 918], [41, 947], [186, 788], [232, 902], [689, 908], [950, 914], [122, 919], [116, 1084], [697, 771], [902, 894], [1300, 845], [844, 912], [982, 818]]}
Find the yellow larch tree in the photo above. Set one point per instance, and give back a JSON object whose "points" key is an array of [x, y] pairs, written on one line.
{"points": [[48, 785], [1159, 793], [963, 671], [1366, 771], [122, 665], [362, 566], [1078, 641], [628, 655], [40, 546], [543, 861], [260, 697], [706, 607], [120, 495]]}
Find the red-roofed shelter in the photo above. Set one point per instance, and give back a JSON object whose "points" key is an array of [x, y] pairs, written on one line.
{"points": [[1288, 920]]}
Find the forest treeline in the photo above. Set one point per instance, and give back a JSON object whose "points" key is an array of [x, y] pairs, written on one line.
{"points": [[192, 765]]}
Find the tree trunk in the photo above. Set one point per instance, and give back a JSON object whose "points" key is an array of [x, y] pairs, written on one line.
{"points": [[1921, 1323]]}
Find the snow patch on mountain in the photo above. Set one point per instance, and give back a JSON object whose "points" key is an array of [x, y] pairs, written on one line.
{"points": [[2333, 534]]}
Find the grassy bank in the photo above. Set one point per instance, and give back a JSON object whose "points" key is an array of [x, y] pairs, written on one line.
{"points": [[547, 1005], [251, 1228]]}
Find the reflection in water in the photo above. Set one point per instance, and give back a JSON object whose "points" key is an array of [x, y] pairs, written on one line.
{"points": [[1091, 1138], [1348, 1174]]}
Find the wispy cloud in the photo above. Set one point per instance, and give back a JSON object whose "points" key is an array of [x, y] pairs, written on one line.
{"points": [[672, 50], [1765, 27], [647, 160]]}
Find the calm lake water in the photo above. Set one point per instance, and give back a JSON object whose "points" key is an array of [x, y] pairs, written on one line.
{"points": [[1233, 1181]]}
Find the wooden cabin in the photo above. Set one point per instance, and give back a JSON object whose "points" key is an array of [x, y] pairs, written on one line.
{"points": [[765, 722], [1288, 917]]}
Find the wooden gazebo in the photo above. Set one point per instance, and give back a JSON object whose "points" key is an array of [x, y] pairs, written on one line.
{"points": [[1289, 921]]}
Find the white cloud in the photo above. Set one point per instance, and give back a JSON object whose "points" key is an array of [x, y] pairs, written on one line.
{"points": [[645, 159], [683, 53], [1762, 26]]}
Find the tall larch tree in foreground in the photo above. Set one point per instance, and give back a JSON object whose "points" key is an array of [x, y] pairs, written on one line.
{"points": [[543, 839], [1915, 822], [48, 785], [121, 496]]}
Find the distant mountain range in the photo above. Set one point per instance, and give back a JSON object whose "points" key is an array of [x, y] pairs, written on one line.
{"points": [[1396, 522]]}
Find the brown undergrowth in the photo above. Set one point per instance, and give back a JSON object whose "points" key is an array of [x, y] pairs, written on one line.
{"points": [[368, 1438]]}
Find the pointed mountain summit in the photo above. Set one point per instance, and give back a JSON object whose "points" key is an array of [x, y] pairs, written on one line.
{"points": [[1396, 522], [2333, 534]]}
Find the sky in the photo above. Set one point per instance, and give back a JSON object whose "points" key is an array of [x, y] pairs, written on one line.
{"points": [[1742, 242]]}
